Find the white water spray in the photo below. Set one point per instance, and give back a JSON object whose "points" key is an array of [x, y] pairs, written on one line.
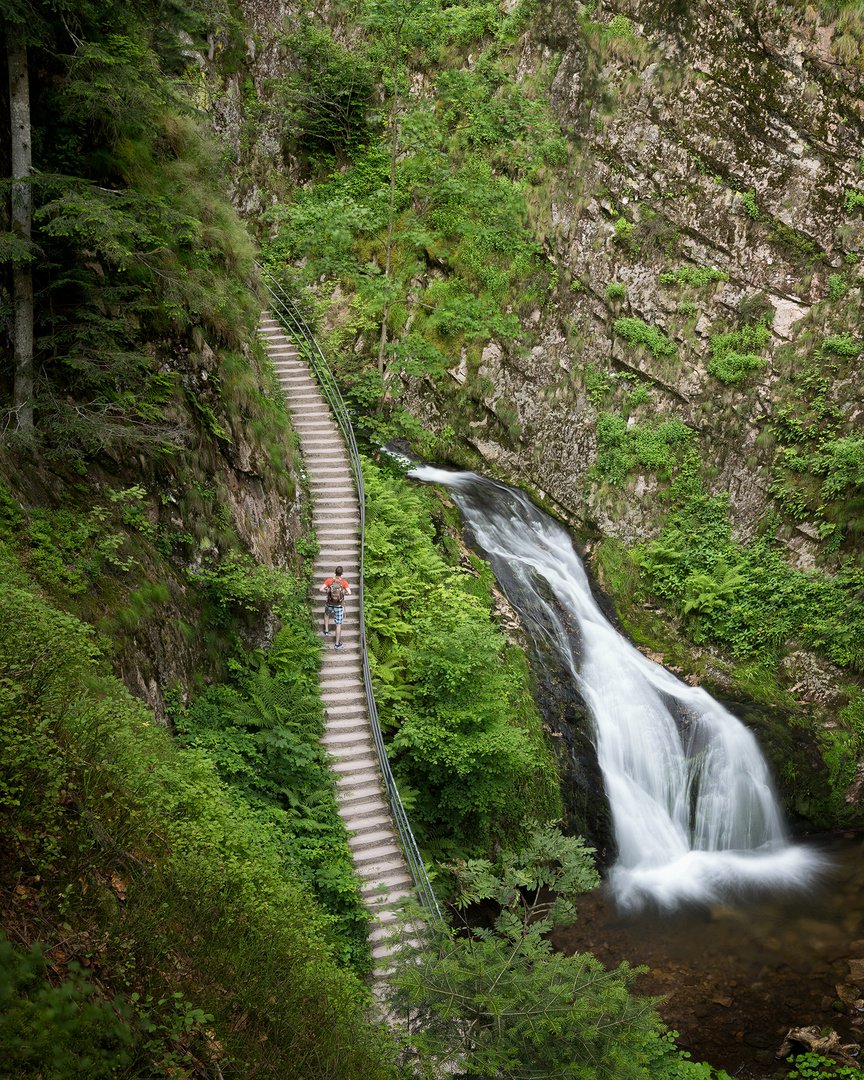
{"points": [[692, 802]]}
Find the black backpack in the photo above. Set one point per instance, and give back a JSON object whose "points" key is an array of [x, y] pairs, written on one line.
{"points": [[335, 592]]}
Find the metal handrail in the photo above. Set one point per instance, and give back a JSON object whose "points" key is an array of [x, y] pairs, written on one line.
{"points": [[287, 313]]}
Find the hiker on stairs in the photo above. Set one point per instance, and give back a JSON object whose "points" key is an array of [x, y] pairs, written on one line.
{"points": [[336, 588]]}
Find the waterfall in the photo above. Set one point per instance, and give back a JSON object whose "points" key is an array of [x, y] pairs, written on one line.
{"points": [[691, 797]]}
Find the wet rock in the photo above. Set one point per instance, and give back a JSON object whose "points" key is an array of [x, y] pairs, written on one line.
{"points": [[847, 993]]}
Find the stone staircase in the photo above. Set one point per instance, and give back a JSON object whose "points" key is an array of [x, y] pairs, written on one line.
{"points": [[374, 841]]}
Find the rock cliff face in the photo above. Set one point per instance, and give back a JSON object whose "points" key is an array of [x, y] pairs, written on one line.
{"points": [[699, 138], [722, 145]]}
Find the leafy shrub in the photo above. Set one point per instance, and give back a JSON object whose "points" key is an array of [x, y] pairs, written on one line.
{"points": [[748, 203], [746, 597], [731, 361], [635, 332], [618, 26], [841, 462], [854, 199], [841, 344], [622, 447], [529, 1009], [837, 286], [263, 737], [694, 276], [615, 291], [623, 230], [63, 1031], [324, 99]]}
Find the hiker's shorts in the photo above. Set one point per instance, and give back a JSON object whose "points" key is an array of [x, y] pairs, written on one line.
{"points": [[335, 611]]}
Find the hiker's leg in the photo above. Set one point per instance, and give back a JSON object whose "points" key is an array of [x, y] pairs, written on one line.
{"points": [[338, 632], [326, 620]]}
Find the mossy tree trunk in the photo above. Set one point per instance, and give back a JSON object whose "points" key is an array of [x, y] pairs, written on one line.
{"points": [[22, 274]]}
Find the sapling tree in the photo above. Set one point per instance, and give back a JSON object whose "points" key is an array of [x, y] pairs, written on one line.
{"points": [[499, 1002], [391, 15]]}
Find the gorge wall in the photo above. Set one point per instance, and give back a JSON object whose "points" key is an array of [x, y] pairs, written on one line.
{"points": [[720, 141], [689, 298]]}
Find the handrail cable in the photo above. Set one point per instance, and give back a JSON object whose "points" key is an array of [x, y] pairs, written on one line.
{"points": [[287, 313]]}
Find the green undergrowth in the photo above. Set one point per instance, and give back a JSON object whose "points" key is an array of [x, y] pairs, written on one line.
{"points": [[463, 734], [738, 352], [262, 734], [182, 896], [696, 277], [818, 473], [99, 554], [630, 439], [623, 448], [464, 264], [141, 265], [636, 332], [747, 598]]}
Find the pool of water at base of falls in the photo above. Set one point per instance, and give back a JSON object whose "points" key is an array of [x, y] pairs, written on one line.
{"points": [[736, 978]]}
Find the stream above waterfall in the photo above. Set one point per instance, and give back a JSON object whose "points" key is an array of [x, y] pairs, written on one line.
{"points": [[692, 803]]}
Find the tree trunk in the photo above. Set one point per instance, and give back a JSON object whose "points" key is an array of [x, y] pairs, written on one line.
{"points": [[22, 275], [394, 146]]}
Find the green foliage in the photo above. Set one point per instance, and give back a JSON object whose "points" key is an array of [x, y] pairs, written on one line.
{"points": [[500, 1002], [263, 738], [622, 448], [747, 598], [838, 285], [464, 266], [854, 199], [131, 852], [733, 354], [635, 332], [59, 1031], [325, 97], [694, 276], [69, 549], [812, 1066], [141, 255], [614, 291], [623, 230], [618, 26], [817, 473], [463, 733], [748, 202]]}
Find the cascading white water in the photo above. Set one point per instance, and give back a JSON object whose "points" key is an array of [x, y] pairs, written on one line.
{"points": [[695, 815]]}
